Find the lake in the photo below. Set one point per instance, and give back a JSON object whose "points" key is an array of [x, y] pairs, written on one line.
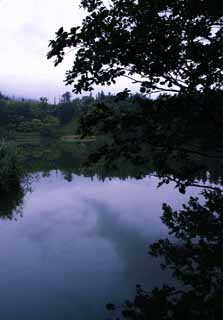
{"points": [[79, 243]]}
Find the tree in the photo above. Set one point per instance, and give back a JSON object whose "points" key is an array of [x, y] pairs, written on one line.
{"points": [[43, 100], [10, 166], [162, 45], [36, 125], [66, 97], [50, 127]]}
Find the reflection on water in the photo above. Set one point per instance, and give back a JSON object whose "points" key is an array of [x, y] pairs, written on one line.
{"points": [[194, 256], [79, 245], [11, 203]]}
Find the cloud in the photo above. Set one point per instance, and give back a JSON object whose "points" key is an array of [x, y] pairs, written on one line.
{"points": [[26, 26]]}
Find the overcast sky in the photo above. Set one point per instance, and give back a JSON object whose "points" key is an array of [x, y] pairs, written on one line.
{"points": [[26, 26]]}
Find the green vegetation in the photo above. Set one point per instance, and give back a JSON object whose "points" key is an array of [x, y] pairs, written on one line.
{"points": [[39, 120], [18, 118], [33, 121], [10, 166]]}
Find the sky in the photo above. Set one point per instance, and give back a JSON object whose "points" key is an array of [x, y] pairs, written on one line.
{"points": [[26, 26]]}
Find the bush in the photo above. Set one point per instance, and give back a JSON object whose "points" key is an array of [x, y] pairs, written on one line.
{"points": [[10, 166]]}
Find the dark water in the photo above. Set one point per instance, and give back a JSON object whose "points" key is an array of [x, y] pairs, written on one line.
{"points": [[79, 245]]}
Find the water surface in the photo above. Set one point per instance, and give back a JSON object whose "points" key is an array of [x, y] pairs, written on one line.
{"points": [[78, 245]]}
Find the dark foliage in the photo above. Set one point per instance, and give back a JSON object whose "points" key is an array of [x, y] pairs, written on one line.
{"points": [[173, 46], [12, 202], [174, 135], [10, 166]]}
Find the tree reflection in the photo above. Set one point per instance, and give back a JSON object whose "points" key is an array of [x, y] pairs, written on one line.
{"points": [[195, 255], [194, 249], [11, 202]]}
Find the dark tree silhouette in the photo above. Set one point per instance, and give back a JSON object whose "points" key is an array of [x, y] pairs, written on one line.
{"points": [[164, 46], [66, 97]]}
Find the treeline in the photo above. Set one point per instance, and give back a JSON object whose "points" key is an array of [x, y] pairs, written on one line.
{"points": [[25, 116], [39, 116], [130, 115]]}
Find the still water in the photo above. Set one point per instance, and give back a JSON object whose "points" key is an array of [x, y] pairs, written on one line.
{"points": [[78, 245]]}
